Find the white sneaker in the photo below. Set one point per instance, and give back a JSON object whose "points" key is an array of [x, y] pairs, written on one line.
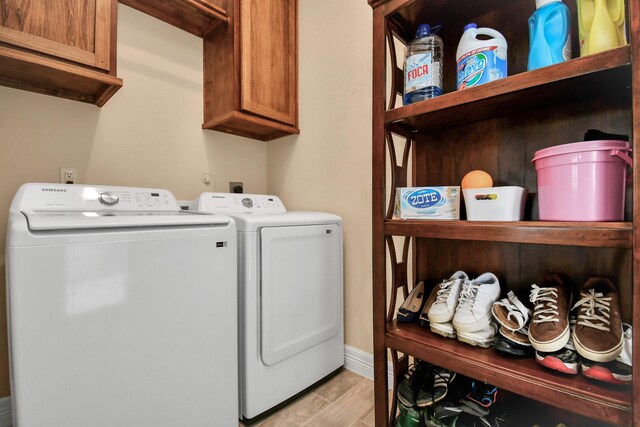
{"points": [[473, 312], [444, 306], [445, 329], [482, 338]]}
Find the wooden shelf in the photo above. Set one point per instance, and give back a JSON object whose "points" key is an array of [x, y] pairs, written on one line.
{"points": [[197, 17], [564, 82], [24, 70], [589, 234], [521, 376]]}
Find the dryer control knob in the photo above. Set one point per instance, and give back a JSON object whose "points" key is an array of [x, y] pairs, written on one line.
{"points": [[108, 198]]}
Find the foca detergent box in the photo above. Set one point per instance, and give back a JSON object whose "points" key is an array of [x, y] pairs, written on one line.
{"points": [[428, 203]]}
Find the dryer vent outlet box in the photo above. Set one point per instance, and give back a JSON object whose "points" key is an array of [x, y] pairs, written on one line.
{"points": [[236, 187]]}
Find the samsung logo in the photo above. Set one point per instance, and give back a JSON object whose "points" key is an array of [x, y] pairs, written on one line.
{"points": [[55, 190]]}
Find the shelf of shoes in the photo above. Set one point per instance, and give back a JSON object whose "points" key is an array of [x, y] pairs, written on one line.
{"points": [[612, 405]]}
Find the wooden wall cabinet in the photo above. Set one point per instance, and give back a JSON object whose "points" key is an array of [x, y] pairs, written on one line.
{"points": [[65, 48], [498, 127], [251, 70]]}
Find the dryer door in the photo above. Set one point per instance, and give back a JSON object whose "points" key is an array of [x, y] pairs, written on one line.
{"points": [[301, 286]]}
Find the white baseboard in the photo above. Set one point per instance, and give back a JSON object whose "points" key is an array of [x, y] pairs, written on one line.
{"points": [[362, 363], [5, 412]]}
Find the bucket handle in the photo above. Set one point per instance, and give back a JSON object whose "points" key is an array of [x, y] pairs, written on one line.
{"points": [[623, 155]]}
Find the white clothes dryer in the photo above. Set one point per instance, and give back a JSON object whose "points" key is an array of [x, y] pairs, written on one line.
{"points": [[121, 310], [290, 281]]}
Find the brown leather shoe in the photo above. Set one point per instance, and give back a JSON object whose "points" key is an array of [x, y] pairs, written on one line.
{"points": [[551, 297], [598, 333]]}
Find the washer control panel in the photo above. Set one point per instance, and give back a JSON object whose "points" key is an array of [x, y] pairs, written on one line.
{"points": [[239, 203], [63, 197]]}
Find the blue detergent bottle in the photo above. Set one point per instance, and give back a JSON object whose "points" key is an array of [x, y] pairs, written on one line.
{"points": [[423, 66], [549, 34]]}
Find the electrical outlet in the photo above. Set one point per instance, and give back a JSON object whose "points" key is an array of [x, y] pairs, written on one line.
{"points": [[236, 187], [68, 175]]}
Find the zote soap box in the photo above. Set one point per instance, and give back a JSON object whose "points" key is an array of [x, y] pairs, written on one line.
{"points": [[428, 203], [495, 203]]}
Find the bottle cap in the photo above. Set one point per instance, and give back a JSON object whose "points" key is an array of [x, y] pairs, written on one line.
{"points": [[423, 30], [469, 26], [540, 3]]}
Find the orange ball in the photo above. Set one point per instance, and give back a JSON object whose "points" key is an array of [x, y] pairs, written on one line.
{"points": [[477, 179]]}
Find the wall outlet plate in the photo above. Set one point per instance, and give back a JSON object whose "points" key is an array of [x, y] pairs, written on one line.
{"points": [[68, 175], [236, 187]]}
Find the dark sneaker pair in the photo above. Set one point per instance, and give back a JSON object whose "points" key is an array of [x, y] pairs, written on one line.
{"points": [[435, 387], [411, 382], [565, 360], [424, 384]]}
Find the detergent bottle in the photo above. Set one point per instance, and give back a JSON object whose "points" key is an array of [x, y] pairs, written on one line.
{"points": [[480, 61], [549, 34], [601, 25], [423, 66]]}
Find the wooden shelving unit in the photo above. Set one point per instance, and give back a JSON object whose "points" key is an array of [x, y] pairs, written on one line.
{"points": [[497, 127]]}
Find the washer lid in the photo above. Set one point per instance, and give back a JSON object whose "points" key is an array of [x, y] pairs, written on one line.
{"points": [[57, 220], [254, 222]]}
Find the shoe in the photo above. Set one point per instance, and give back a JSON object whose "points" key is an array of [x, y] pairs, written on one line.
{"points": [[444, 329], [549, 329], [618, 371], [449, 419], [473, 312], [520, 337], [510, 313], [598, 333], [410, 383], [565, 360], [409, 417], [479, 400], [510, 348], [435, 387], [412, 306], [446, 298], [482, 338], [423, 320], [445, 409]]}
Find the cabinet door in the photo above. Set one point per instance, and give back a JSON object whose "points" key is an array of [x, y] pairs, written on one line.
{"points": [[268, 46], [76, 30]]}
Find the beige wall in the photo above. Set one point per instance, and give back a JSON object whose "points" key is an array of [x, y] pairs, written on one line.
{"points": [[328, 166], [148, 134]]}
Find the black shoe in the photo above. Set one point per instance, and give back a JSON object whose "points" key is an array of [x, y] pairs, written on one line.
{"points": [[480, 399], [506, 346], [411, 382], [412, 306], [435, 386]]}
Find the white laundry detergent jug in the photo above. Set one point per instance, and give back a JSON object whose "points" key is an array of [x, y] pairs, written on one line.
{"points": [[480, 60]]}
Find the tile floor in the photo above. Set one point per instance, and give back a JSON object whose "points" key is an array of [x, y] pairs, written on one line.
{"points": [[344, 400]]}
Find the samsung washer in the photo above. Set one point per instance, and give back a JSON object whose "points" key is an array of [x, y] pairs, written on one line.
{"points": [[290, 280], [121, 310]]}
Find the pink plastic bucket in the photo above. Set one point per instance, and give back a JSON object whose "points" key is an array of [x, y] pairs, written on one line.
{"points": [[582, 181]]}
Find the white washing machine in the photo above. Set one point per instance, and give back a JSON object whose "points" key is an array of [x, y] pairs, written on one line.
{"points": [[290, 280], [121, 310]]}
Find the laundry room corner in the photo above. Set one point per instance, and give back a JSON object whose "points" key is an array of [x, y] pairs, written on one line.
{"points": [[328, 166]]}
